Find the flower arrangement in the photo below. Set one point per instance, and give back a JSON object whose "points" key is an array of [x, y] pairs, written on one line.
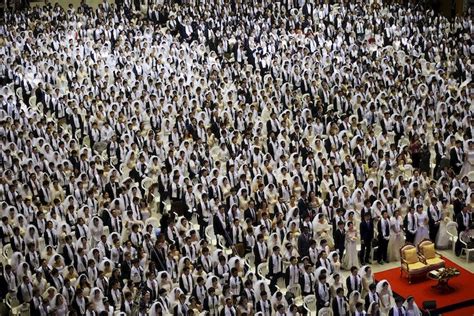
{"points": [[448, 273]]}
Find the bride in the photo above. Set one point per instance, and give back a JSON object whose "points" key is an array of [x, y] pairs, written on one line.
{"points": [[442, 239], [411, 307], [350, 257], [422, 231], [59, 305], [468, 164], [367, 277], [396, 236], [386, 296], [322, 229]]}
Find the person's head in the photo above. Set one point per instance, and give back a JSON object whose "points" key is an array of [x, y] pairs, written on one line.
{"points": [[354, 270], [399, 301], [368, 270], [340, 292], [340, 224], [322, 278], [372, 287]]}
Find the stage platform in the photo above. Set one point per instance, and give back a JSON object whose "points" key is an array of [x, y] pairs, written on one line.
{"points": [[460, 301]]}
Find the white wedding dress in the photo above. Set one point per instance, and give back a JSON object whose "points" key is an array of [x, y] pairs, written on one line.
{"points": [[468, 164], [442, 239], [423, 231], [350, 258]]}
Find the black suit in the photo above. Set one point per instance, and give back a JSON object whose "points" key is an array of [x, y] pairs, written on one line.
{"points": [[454, 160], [303, 245], [110, 190], [126, 270], [248, 213], [264, 307], [76, 307], [366, 237], [357, 284], [260, 258], [339, 241], [460, 221], [402, 311], [220, 228], [369, 300], [458, 205], [409, 236], [303, 207], [159, 258], [68, 260], [383, 242], [35, 307], [211, 305], [320, 301], [336, 305], [3, 287]]}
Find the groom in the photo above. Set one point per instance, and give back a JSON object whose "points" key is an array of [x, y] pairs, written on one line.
{"points": [[366, 237], [383, 228], [456, 157], [435, 218]]}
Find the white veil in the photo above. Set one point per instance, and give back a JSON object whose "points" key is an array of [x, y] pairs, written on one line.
{"points": [[380, 286]]}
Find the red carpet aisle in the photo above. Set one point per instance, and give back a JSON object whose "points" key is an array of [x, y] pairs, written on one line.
{"points": [[466, 311], [422, 291]]}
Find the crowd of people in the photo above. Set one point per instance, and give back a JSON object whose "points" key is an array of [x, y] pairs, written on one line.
{"points": [[228, 157]]}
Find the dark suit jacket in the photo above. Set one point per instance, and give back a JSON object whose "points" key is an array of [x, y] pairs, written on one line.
{"points": [[391, 311], [125, 270], [248, 214], [258, 258], [260, 306], [458, 205], [460, 221], [3, 287], [157, 257], [367, 301], [339, 239], [303, 245], [349, 285], [33, 310], [366, 231], [379, 230], [219, 228], [453, 158], [109, 190], [335, 307], [271, 266], [303, 207], [301, 279], [75, 306]]}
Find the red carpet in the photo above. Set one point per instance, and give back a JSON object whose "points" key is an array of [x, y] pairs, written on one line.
{"points": [[421, 288], [466, 311]]}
